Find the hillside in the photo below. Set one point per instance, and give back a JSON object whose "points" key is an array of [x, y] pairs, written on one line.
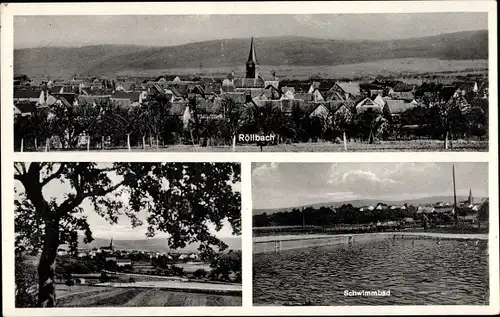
{"points": [[293, 51], [155, 244], [368, 202]]}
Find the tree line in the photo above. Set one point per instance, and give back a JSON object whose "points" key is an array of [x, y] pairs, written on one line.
{"points": [[329, 216], [110, 125]]}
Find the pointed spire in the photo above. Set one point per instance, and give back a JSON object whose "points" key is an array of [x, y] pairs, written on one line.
{"points": [[252, 57], [470, 195]]}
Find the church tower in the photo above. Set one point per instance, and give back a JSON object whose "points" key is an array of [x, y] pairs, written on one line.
{"points": [[111, 245], [252, 66], [471, 199]]}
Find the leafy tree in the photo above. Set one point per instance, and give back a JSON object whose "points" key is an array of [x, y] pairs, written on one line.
{"points": [[225, 264], [69, 282], [25, 277], [484, 211], [197, 194], [200, 273]]}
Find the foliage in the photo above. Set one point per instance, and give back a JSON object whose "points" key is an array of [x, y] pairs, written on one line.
{"points": [[226, 264], [25, 279], [328, 216], [200, 273]]}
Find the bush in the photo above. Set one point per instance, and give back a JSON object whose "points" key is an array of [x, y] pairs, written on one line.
{"points": [[200, 273], [26, 283], [226, 264]]}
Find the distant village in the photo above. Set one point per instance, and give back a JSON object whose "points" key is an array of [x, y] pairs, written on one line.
{"points": [[207, 97], [378, 217], [124, 257]]}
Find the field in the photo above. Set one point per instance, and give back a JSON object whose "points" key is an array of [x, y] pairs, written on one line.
{"points": [[93, 296], [380, 146], [398, 68]]}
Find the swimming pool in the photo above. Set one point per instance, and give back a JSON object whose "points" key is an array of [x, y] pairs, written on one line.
{"points": [[416, 272]]}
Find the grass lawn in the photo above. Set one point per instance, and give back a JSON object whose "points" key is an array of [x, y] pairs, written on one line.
{"points": [[94, 296], [379, 146]]}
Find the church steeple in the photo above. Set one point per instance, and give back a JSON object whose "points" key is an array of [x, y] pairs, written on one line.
{"points": [[252, 65], [111, 245], [471, 199]]}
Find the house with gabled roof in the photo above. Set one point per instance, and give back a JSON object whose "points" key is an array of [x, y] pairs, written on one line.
{"points": [[24, 108], [128, 99], [321, 111], [344, 91], [398, 106], [27, 94], [366, 104]]}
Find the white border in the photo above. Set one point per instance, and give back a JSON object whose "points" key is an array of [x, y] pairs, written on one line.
{"points": [[8, 156]]}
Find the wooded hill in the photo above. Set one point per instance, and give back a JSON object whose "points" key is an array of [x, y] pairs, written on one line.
{"points": [[101, 60]]}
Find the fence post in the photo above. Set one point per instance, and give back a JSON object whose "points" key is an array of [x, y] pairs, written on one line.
{"points": [[128, 141], [22, 144], [446, 141], [47, 145], [345, 143], [234, 143], [36, 144], [88, 143]]}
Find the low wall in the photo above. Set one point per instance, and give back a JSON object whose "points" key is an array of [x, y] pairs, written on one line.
{"points": [[281, 243]]}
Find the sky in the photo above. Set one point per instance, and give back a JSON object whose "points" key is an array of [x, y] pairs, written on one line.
{"points": [[164, 30], [282, 185], [123, 230]]}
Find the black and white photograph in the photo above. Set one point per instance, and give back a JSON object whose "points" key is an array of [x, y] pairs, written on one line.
{"points": [[127, 234], [340, 234], [251, 83]]}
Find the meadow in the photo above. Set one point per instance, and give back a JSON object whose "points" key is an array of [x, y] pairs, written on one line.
{"points": [[96, 296], [398, 68], [379, 146]]}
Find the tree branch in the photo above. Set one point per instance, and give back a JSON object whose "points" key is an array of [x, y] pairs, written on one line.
{"points": [[70, 204], [18, 170], [53, 176]]}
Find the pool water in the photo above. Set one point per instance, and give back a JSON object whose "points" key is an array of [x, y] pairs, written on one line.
{"points": [[416, 272]]}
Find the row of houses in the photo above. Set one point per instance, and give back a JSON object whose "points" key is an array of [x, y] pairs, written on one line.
{"points": [[316, 97], [123, 256]]}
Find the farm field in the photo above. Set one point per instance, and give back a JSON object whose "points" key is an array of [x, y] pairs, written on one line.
{"points": [[93, 296], [402, 67], [380, 146]]}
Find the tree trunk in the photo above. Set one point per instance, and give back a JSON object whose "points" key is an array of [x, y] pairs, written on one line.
{"points": [[47, 265], [192, 138], [143, 142], [128, 141], [22, 144], [36, 144]]}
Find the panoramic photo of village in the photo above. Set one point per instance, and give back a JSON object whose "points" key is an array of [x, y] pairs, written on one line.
{"points": [[311, 83], [337, 234], [127, 234]]}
